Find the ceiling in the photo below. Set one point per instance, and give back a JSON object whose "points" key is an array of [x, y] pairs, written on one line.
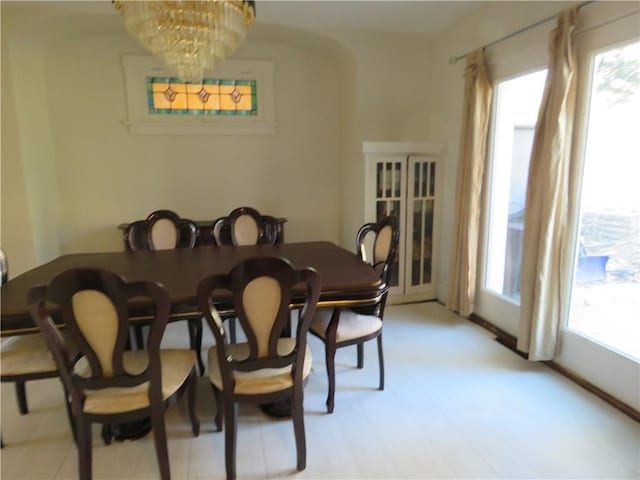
{"points": [[388, 15], [391, 15]]}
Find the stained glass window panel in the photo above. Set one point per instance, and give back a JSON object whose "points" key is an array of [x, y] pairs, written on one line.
{"points": [[171, 96]]}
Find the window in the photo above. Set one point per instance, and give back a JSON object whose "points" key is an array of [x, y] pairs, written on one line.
{"points": [[172, 96], [605, 300], [238, 101], [516, 106]]}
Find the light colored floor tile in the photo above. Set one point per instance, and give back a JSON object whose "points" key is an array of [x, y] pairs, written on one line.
{"points": [[457, 404]]}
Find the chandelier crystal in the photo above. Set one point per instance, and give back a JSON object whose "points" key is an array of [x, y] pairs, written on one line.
{"points": [[190, 37]]}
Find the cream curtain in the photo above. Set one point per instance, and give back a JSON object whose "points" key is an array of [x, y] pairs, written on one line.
{"points": [[545, 222], [477, 103]]}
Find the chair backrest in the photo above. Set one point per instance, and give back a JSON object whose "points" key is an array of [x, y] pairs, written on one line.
{"points": [[135, 236], [94, 306], [261, 293], [161, 230], [245, 226], [4, 267], [381, 253]]}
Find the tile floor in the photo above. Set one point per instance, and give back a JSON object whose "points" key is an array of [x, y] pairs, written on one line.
{"points": [[457, 404]]}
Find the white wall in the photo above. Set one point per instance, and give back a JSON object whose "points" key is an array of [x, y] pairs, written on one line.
{"points": [[76, 151], [334, 90], [15, 227], [290, 174], [30, 210], [390, 101]]}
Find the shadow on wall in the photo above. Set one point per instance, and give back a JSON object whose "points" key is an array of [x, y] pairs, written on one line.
{"points": [[101, 239]]}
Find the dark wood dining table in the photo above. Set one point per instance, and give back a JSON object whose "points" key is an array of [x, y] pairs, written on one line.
{"points": [[346, 280]]}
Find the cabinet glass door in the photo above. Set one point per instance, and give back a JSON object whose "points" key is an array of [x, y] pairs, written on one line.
{"points": [[390, 191], [421, 196], [405, 185]]}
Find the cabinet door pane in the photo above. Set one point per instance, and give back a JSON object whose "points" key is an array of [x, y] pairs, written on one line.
{"points": [[416, 253], [427, 245], [391, 206], [420, 222]]}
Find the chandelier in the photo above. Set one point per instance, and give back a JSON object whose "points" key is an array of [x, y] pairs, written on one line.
{"points": [[190, 37]]}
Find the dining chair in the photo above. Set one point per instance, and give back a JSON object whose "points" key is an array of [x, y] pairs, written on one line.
{"points": [[244, 226], [342, 327], [23, 357], [110, 384], [267, 367], [165, 230]]}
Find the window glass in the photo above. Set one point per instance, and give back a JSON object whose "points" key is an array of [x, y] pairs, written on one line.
{"points": [[517, 102], [209, 97], [605, 299]]}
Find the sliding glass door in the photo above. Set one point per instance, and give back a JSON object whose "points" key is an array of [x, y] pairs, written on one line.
{"points": [[515, 110], [605, 297], [600, 335], [601, 338]]}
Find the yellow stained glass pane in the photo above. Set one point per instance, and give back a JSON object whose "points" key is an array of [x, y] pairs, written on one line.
{"points": [[160, 101], [178, 96], [159, 87], [194, 101], [179, 87], [193, 88], [213, 103], [227, 103], [244, 89], [244, 103], [180, 102]]}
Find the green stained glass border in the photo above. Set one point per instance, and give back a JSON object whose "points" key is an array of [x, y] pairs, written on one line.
{"points": [[207, 81]]}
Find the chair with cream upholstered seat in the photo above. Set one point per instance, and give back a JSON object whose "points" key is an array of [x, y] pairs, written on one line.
{"points": [[161, 230], [23, 357], [341, 327], [268, 367], [245, 226], [165, 230], [109, 384]]}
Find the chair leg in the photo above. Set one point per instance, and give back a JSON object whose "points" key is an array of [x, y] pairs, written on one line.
{"points": [[230, 436], [217, 395], [360, 347], [72, 422], [138, 334], [160, 440], [192, 394], [195, 340], [381, 360], [107, 434], [232, 330], [330, 354], [83, 429], [21, 396], [297, 414]]}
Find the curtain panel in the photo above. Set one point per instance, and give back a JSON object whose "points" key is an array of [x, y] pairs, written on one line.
{"points": [[546, 242], [464, 255]]}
